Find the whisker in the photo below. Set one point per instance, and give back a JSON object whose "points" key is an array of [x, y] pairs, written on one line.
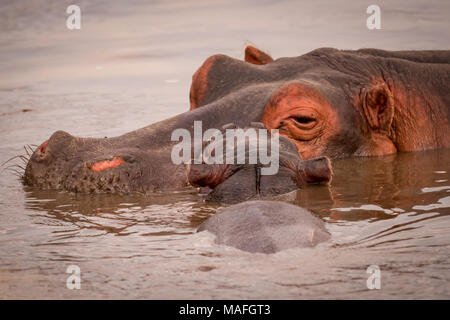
{"points": [[31, 149], [13, 171], [24, 159], [14, 165], [18, 166], [28, 153], [10, 160]]}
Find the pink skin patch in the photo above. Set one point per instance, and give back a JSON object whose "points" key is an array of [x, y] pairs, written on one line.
{"points": [[106, 164], [43, 147]]}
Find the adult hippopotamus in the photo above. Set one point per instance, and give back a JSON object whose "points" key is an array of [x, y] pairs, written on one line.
{"points": [[265, 227], [327, 102]]}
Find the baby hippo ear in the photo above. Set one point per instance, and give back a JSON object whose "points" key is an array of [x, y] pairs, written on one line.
{"points": [[208, 175], [256, 56], [378, 105]]}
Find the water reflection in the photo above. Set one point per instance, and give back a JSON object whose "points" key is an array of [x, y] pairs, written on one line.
{"points": [[155, 214], [362, 189], [391, 211], [382, 187]]}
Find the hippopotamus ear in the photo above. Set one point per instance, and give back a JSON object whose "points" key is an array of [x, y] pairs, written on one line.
{"points": [[206, 175], [378, 105], [256, 56]]}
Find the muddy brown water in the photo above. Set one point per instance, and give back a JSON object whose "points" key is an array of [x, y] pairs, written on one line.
{"points": [[130, 66]]}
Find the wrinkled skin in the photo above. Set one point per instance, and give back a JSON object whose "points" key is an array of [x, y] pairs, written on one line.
{"points": [[266, 227], [340, 103], [233, 183], [327, 102]]}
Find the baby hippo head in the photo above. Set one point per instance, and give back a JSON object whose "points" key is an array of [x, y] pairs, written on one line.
{"points": [[239, 178]]}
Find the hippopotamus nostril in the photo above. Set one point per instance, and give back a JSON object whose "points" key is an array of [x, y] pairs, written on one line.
{"points": [[43, 147], [40, 153], [57, 141]]}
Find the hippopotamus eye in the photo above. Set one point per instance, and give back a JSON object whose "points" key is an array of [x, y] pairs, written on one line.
{"points": [[304, 122]]}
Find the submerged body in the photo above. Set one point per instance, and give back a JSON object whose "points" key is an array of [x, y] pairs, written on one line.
{"points": [[266, 227]]}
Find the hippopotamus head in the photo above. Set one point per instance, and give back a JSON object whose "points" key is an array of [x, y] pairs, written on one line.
{"points": [[340, 103]]}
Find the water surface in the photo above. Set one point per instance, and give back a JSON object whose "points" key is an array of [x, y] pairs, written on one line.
{"points": [[131, 65]]}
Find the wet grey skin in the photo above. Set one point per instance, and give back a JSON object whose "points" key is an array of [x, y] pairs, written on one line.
{"points": [[364, 103], [63, 162], [265, 227], [234, 183]]}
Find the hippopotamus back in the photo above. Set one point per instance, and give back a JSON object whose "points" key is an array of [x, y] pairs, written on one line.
{"points": [[266, 227]]}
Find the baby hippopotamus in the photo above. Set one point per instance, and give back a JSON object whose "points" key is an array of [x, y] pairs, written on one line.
{"points": [[266, 227]]}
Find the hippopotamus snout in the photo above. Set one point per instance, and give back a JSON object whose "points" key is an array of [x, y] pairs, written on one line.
{"points": [[83, 165], [45, 158]]}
